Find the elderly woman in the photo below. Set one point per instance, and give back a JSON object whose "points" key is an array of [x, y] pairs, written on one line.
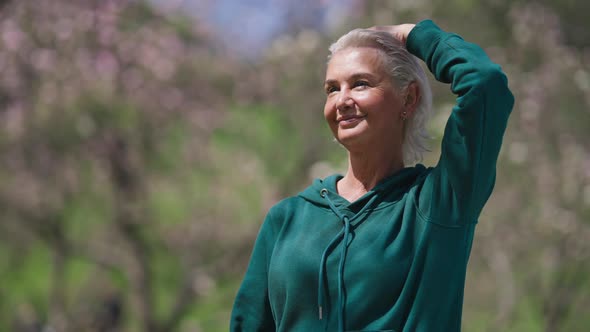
{"points": [[384, 247]]}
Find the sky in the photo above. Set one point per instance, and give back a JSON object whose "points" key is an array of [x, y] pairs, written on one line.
{"points": [[249, 26]]}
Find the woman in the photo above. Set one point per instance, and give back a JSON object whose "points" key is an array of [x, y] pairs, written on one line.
{"points": [[384, 247]]}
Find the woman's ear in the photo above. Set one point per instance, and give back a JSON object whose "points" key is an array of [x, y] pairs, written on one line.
{"points": [[412, 99]]}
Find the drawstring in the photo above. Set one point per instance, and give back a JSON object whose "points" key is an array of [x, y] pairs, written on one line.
{"points": [[322, 271], [344, 234]]}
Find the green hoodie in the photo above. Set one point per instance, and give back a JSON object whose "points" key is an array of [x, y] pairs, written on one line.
{"points": [[395, 259]]}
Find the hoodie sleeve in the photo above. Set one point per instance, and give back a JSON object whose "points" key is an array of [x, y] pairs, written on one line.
{"points": [[459, 186], [251, 311]]}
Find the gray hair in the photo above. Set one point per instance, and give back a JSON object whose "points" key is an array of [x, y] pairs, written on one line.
{"points": [[403, 68]]}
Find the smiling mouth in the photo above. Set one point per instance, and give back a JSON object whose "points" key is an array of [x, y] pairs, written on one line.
{"points": [[350, 121], [351, 118]]}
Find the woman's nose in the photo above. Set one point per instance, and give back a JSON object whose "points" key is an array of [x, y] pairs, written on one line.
{"points": [[344, 101]]}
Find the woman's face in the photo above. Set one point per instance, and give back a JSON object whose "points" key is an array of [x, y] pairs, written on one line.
{"points": [[363, 108]]}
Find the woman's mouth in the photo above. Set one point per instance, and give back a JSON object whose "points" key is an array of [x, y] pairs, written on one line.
{"points": [[350, 121]]}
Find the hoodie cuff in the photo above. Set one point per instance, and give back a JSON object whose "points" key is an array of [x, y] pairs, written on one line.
{"points": [[423, 39]]}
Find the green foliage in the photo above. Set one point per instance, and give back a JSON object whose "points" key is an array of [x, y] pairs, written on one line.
{"points": [[264, 132], [77, 219], [26, 278], [135, 17], [212, 313], [168, 276]]}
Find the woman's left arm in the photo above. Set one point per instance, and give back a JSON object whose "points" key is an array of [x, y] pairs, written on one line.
{"points": [[463, 180]]}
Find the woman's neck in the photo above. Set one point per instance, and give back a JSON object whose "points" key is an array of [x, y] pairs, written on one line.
{"points": [[365, 170]]}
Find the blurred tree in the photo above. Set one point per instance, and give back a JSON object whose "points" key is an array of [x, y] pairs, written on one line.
{"points": [[107, 109]]}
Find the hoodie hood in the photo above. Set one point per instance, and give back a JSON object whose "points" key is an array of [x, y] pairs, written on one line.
{"points": [[388, 188]]}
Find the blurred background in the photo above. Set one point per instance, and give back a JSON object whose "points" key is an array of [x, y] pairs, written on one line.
{"points": [[142, 143]]}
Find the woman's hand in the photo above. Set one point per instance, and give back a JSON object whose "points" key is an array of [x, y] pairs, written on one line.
{"points": [[400, 31]]}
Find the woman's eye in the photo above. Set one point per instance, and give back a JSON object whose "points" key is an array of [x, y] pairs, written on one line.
{"points": [[331, 89], [361, 84]]}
